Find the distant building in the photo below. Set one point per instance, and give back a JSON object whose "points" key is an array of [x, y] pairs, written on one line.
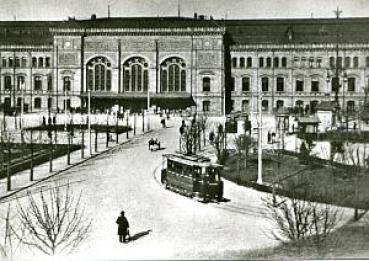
{"points": [[213, 66]]}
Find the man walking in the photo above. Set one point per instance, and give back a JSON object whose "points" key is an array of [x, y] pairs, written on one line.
{"points": [[123, 227]]}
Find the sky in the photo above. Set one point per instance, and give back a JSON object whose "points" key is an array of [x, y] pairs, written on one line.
{"points": [[230, 9]]}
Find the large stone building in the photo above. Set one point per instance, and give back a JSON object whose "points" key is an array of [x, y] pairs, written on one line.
{"points": [[213, 66]]}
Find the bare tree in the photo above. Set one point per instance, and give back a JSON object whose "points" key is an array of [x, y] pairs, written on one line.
{"points": [[298, 218], [359, 164], [10, 244], [54, 221]]}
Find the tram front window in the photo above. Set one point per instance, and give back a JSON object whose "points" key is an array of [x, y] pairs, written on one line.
{"points": [[213, 174]]}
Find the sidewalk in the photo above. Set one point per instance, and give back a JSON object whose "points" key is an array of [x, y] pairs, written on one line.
{"points": [[21, 180]]}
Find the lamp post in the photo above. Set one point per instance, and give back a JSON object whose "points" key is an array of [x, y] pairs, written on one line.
{"points": [[260, 152]]}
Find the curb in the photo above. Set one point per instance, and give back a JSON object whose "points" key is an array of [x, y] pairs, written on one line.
{"points": [[71, 166]]}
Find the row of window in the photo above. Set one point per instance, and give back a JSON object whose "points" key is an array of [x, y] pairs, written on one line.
{"points": [[21, 62], [300, 62], [279, 104], [36, 102], [299, 84], [37, 83]]}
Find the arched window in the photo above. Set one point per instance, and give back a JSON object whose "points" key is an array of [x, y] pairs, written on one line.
{"points": [[269, 62], [356, 62], [49, 82], [206, 84], [299, 103], [245, 105], [173, 75], [264, 84], [7, 82], [264, 105], [313, 105], [20, 83], [249, 62], [99, 74], [246, 84], [24, 62], [351, 106], [261, 62], [276, 62], [242, 62], [67, 83], [347, 62], [234, 62], [280, 104], [280, 84], [37, 83], [34, 62], [40, 62], [284, 62], [37, 104], [135, 75]]}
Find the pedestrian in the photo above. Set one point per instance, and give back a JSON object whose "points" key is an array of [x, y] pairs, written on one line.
{"points": [[269, 137], [43, 120], [123, 228]]}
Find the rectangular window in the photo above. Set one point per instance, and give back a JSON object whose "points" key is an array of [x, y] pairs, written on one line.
{"points": [[4, 63], [245, 105], [264, 84], [206, 105], [261, 62], [47, 62], [280, 84], [314, 86], [206, 84], [319, 62], [351, 84], [284, 62], [249, 62], [303, 61], [339, 62], [24, 62], [311, 62], [17, 62], [299, 86], [11, 62], [296, 62], [7, 82], [356, 62], [335, 84], [245, 84]]}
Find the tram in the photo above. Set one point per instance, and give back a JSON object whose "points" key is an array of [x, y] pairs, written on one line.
{"points": [[194, 176]]}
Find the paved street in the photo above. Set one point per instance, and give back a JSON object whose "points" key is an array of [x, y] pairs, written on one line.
{"points": [[124, 178]]}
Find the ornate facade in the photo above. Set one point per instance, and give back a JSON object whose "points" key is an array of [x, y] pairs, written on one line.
{"points": [[213, 66]]}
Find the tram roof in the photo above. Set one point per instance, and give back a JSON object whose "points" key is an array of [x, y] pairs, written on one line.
{"points": [[191, 160]]}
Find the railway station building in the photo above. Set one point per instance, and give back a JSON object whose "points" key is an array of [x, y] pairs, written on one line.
{"points": [[211, 66]]}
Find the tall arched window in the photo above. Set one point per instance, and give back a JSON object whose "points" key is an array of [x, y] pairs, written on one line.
{"points": [[135, 75], [99, 74], [173, 75]]}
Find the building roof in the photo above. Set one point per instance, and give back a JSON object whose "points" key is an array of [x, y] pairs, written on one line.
{"points": [[240, 32], [298, 31]]}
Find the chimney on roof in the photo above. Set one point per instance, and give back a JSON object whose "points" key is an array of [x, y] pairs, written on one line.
{"points": [[201, 17], [93, 17], [195, 16]]}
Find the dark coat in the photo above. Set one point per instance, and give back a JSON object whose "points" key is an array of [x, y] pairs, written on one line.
{"points": [[123, 225]]}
